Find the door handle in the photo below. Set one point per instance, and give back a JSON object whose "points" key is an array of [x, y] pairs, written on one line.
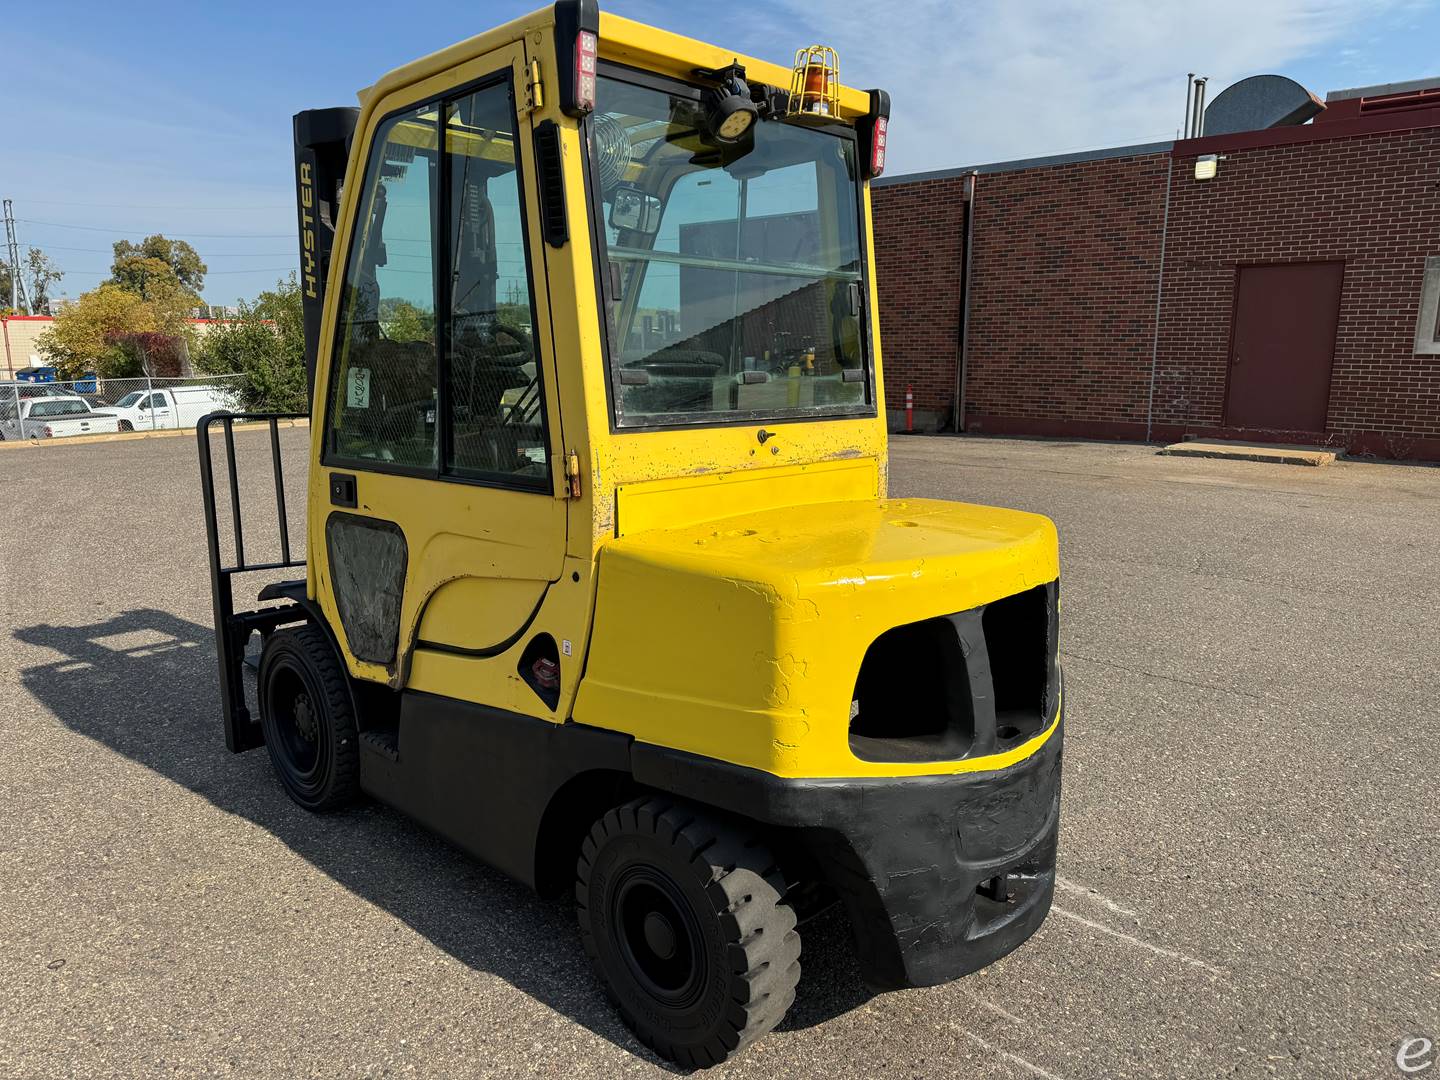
{"points": [[343, 490]]}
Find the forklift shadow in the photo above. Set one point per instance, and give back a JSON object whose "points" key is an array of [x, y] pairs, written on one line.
{"points": [[143, 683]]}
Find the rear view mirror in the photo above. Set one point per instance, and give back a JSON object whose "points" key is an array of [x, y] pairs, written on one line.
{"points": [[636, 210]]}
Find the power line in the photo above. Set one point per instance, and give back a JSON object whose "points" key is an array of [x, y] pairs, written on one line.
{"points": [[153, 232], [158, 206], [208, 274], [204, 254]]}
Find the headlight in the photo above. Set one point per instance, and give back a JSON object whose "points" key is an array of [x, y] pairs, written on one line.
{"points": [[730, 112]]}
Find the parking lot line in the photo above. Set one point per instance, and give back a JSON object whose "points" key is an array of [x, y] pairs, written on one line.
{"points": [[1066, 885], [1157, 949], [1014, 1059]]}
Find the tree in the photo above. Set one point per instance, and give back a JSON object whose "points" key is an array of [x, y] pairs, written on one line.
{"points": [[154, 352], [138, 266], [172, 305], [41, 273], [138, 325], [38, 273], [404, 321], [87, 335], [266, 344]]}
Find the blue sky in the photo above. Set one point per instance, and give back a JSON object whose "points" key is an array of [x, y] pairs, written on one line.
{"points": [[126, 119]]}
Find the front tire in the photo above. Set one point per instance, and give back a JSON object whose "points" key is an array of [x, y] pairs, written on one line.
{"points": [[683, 919], [126, 425], [308, 719]]}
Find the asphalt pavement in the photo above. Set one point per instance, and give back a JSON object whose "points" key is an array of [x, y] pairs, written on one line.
{"points": [[1250, 871]]}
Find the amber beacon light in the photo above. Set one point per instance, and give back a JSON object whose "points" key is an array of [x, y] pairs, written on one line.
{"points": [[815, 82]]}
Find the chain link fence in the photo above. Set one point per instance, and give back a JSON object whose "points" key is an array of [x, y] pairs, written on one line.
{"points": [[28, 409]]}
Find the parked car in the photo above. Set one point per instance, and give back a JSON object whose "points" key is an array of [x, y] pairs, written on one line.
{"points": [[173, 407], [9, 391], [52, 418]]}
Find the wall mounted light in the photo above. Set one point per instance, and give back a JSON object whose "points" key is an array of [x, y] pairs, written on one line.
{"points": [[1206, 166]]}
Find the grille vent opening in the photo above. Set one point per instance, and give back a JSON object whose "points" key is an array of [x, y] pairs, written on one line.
{"points": [[539, 667], [1017, 639], [550, 175], [912, 698], [978, 681]]}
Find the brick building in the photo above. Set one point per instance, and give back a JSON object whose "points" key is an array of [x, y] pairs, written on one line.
{"points": [[1112, 294]]}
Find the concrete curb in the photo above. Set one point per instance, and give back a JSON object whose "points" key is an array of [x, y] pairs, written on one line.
{"points": [[1275, 455], [130, 436]]}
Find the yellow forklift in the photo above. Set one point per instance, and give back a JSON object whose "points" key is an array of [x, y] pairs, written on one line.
{"points": [[602, 582]]}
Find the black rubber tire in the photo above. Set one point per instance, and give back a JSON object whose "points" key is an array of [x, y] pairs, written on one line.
{"points": [[125, 425], [316, 755], [734, 958]]}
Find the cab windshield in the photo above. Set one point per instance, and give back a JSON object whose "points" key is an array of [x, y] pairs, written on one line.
{"points": [[731, 275]]}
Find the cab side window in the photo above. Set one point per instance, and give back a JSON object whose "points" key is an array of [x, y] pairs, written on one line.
{"points": [[383, 395], [436, 368], [494, 401]]}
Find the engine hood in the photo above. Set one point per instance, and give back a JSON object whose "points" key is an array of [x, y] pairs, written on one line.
{"points": [[741, 638]]}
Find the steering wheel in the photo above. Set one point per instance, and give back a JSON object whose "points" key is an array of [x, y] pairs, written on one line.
{"points": [[522, 348]]}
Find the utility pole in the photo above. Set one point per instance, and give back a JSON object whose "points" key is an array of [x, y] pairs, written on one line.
{"points": [[18, 300]]}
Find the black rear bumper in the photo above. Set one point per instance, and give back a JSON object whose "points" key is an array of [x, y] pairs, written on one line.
{"points": [[940, 875]]}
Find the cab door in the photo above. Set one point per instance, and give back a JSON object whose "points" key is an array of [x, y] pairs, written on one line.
{"points": [[442, 523], [161, 414]]}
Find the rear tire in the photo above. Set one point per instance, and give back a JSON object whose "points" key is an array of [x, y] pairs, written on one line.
{"points": [[683, 919], [125, 425], [308, 719]]}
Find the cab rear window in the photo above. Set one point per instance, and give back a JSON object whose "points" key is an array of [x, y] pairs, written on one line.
{"points": [[58, 408]]}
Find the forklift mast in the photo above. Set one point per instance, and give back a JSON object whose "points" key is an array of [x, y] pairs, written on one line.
{"points": [[322, 145]]}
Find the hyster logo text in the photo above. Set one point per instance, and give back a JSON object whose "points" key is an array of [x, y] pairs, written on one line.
{"points": [[307, 231]]}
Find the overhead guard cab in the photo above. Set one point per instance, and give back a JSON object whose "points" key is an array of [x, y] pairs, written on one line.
{"points": [[602, 581]]}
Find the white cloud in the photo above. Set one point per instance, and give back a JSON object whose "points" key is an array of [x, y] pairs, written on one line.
{"points": [[972, 81], [992, 80], [1004, 80]]}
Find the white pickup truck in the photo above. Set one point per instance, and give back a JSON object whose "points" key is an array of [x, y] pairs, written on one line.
{"points": [[172, 407], [52, 417]]}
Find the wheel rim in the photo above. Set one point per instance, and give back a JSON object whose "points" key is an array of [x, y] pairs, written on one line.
{"points": [[295, 719], [658, 936]]}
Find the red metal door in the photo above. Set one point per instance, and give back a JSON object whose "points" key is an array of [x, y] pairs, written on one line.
{"points": [[1283, 345]]}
